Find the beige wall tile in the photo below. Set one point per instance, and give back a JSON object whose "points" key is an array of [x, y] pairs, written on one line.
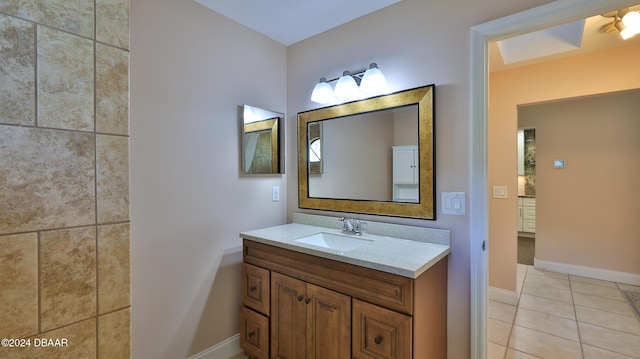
{"points": [[112, 90], [113, 267], [68, 275], [17, 76], [47, 179], [112, 22], [81, 344], [114, 335], [65, 80], [113, 178], [74, 16], [18, 285]]}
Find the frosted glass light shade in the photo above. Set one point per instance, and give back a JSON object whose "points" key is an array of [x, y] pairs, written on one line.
{"points": [[347, 88], [373, 81], [626, 33], [322, 93], [631, 20]]}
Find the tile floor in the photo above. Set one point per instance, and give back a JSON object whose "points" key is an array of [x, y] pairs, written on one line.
{"points": [[564, 316]]}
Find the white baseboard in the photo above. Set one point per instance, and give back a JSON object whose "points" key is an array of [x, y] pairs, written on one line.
{"points": [[224, 350], [595, 273], [503, 296]]}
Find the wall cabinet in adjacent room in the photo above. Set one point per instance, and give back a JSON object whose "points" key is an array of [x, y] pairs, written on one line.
{"points": [[405, 174], [526, 214]]}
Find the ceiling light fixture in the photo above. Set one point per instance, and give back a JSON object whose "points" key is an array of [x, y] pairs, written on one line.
{"points": [[625, 21], [351, 86]]}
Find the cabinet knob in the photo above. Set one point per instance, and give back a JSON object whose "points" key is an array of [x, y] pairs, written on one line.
{"points": [[377, 339], [253, 288], [300, 298], [251, 334], [307, 300]]}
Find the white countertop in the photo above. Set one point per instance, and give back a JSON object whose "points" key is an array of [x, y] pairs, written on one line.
{"points": [[408, 258]]}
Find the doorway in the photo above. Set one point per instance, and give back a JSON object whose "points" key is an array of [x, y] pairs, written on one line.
{"points": [[527, 21]]}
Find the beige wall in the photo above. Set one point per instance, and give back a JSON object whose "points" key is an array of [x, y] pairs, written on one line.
{"points": [[64, 177], [586, 213], [414, 45], [589, 74], [191, 69]]}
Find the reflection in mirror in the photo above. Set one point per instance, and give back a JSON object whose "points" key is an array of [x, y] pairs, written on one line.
{"points": [[377, 156], [315, 147], [261, 147], [361, 145]]}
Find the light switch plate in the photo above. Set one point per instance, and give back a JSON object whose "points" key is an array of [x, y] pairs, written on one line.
{"points": [[453, 203], [275, 194], [499, 191]]}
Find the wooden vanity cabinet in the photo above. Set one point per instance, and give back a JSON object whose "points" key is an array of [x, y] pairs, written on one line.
{"points": [[325, 309]]}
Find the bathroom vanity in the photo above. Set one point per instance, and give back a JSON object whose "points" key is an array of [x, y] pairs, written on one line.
{"points": [[310, 291]]}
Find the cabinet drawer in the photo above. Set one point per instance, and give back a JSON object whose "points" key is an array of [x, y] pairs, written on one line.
{"points": [[529, 226], [380, 333], [255, 288], [529, 202], [528, 212], [254, 334]]}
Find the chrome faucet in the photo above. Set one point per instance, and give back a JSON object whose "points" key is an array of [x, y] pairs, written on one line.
{"points": [[352, 225]]}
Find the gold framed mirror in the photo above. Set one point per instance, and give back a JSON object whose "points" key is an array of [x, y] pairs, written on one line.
{"points": [[261, 151], [377, 156]]}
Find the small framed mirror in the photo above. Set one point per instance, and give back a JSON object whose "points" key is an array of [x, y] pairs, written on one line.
{"points": [[262, 132]]}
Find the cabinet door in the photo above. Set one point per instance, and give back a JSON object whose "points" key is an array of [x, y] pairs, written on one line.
{"points": [[288, 317], [379, 333], [405, 165], [328, 324]]}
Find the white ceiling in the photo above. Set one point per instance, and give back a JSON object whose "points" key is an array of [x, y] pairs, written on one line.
{"points": [[290, 21], [593, 39]]}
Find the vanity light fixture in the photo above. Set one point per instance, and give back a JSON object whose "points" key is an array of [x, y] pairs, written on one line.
{"points": [[323, 93], [625, 21], [351, 86], [631, 21]]}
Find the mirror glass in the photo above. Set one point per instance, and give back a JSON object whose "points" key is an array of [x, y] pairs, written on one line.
{"points": [[369, 156], [261, 141]]}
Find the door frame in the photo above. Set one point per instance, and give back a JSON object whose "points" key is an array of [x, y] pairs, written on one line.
{"points": [[547, 15]]}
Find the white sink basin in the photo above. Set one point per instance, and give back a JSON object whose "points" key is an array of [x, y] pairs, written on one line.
{"points": [[334, 241]]}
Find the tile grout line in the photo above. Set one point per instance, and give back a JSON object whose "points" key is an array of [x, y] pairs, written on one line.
{"points": [[515, 314], [95, 159], [575, 313], [36, 66], [39, 268]]}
